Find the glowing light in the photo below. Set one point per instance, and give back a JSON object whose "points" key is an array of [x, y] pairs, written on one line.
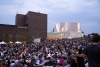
{"points": [[61, 34], [57, 27], [62, 29], [69, 37], [78, 27]]}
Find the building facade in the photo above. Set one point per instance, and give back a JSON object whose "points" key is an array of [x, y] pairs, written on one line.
{"points": [[67, 26], [33, 23], [66, 30]]}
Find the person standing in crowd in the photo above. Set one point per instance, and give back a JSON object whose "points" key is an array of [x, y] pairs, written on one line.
{"points": [[72, 62], [61, 60], [12, 64], [93, 52], [51, 52], [80, 58], [65, 62]]}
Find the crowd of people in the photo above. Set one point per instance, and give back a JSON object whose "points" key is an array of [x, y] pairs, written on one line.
{"points": [[51, 52]]}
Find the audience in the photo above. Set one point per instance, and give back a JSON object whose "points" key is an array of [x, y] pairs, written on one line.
{"points": [[58, 52]]}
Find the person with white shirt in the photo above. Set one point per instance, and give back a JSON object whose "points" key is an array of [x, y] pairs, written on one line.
{"points": [[37, 61], [49, 55], [12, 64]]}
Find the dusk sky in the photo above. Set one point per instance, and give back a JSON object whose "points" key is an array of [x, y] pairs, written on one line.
{"points": [[85, 11]]}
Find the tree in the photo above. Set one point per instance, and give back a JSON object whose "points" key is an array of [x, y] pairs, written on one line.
{"points": [[6, 37], [22, 37], [13, 37], [28, 38], [25, 37]]}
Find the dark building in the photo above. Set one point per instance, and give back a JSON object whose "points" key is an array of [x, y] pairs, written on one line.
{"points": [[32, 23]]}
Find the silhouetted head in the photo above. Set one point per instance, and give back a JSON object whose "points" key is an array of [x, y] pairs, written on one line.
{"points": [[95, 38]]}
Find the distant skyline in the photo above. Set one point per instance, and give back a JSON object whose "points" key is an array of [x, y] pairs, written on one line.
{"points": [[87, 12]]}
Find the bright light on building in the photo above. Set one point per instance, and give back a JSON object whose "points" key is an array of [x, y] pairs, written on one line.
{"points": [[78, 27], [69, 37], [73, 34], [62, 29], [61, 34]]}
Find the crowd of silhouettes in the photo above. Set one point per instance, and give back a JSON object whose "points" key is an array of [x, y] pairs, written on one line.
{"points": [[51, 52]]}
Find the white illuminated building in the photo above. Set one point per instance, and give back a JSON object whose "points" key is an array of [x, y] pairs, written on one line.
{"points": [[68, 26], [67, 30]]}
